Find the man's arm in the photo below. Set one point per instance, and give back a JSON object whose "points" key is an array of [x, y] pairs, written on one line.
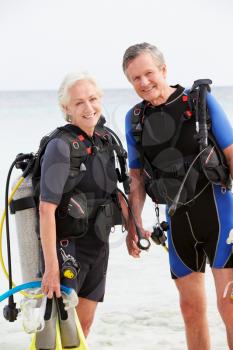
{"points": [[228, 152], [136, 199], [137, 194]]}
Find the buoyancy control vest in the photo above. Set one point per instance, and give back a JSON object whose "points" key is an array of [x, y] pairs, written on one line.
{"points": [[76, 210], [168, 155]]}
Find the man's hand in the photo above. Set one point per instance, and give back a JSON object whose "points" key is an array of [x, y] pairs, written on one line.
{"points": [[131, 243], [132, 240]]}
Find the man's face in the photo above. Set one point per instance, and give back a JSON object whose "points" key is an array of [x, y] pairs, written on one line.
{"points": [[148, 80]]}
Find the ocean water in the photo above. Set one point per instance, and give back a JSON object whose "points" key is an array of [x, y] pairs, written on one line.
{"points": [[141, 307]]}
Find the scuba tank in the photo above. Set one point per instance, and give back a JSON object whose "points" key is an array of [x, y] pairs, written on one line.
{"points": [[26, 222]]}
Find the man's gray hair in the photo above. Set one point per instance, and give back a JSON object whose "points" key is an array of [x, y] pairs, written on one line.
{"points": [[135, 50], [70, 80]]}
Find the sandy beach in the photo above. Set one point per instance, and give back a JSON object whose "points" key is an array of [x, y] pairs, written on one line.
{"points": [[141, 307]]}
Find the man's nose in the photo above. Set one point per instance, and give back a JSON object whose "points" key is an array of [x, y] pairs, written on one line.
{"points": [[144, 81]]}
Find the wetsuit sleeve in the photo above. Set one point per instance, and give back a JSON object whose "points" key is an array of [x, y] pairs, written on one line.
{"points": [[54, 170], [133, 154], [220, 124]]}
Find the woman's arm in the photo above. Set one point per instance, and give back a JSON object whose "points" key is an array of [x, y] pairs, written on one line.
{"points": [[51, 277], [54, 173]]}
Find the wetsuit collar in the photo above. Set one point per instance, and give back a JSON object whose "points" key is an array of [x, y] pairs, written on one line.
{"points": [[176, 94], [78, 131], [173, 97]]}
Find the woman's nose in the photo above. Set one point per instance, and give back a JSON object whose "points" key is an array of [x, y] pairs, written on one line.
{"points": [[88, 107]]}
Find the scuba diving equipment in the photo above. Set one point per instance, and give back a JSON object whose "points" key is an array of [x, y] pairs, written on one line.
{"points": [[122, 157], [25, 203], [121, 154], [212, 159], [70, 300], [49, 334], [32, 312], [46, 338], [70, 267], [62, 328], [230, 237], [143, 242], [10, 311], [229, 241], [158, 234], [26, 223], [29, 285], [212, 166], [26, 200], [68, 328]]}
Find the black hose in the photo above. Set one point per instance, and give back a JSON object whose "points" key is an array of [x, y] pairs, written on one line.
{"points": [[202, 117], [143, 243], [115, 135], [11, 298]]}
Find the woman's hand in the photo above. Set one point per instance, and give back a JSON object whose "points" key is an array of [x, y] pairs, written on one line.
{"points": [[51, 282]]}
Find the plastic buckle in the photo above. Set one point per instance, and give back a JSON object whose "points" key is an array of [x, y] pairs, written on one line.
{"points": [[137, 111], [75, 144], [223, 189], [64, 242]]}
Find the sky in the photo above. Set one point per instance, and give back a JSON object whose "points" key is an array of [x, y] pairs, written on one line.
{"points": [[42, 40]]}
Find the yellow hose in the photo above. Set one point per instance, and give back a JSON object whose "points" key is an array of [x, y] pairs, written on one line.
{"points": [[1, 234]]}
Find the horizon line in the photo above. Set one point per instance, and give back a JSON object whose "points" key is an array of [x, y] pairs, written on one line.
{"points": [[117, 88]]}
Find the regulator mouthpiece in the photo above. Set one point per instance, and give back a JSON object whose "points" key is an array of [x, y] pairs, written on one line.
{"points": [[143, 243]]}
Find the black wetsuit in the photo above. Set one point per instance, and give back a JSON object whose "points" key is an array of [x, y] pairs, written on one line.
{"points": [[90, 251], [204, 219]]}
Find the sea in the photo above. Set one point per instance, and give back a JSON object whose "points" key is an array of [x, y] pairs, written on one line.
{"points": [[141, 306]]}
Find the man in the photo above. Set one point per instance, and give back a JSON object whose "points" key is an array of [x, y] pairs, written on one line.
{"points": [[161, 137]]}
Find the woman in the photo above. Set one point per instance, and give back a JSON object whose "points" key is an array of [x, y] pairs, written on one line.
{"points": [[78, 186]]}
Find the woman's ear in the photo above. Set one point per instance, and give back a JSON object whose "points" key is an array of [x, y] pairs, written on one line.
{"points": [[164, 70]]}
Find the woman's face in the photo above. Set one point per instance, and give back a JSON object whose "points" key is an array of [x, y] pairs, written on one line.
{"points": [[148, 80], [84, 106]]}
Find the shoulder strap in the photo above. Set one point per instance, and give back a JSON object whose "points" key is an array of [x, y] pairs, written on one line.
{"points": [[137, 126], [76, 142], [114, 145], [77, 148], [43, 144], [137, 120]]}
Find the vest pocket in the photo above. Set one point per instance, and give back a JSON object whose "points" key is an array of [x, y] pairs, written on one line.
{"points": [[104, 221], [72, 221]]}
